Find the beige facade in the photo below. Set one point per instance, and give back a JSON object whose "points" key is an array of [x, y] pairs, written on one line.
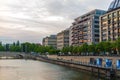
{"points": [[63, 39], [110, 25], [50, 41]]}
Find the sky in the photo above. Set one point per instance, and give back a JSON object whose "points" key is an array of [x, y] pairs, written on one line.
{"points": [[32, 20]]}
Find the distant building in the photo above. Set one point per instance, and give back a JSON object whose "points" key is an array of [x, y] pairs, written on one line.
{"points": [[63, 39], [85, 29], [50, 41], [110, 22]]}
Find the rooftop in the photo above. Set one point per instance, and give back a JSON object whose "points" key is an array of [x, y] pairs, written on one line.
{"points": [[114, 5]]}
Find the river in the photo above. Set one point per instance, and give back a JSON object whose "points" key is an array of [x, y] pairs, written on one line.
{"points": [[37, 70]]}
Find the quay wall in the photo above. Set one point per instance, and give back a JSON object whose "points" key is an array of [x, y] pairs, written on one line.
{"points": [[94, 70], [86, 59]]}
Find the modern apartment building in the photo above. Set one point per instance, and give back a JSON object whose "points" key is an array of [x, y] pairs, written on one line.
{"points": [[110, 22], [50, 41], [63, 39], [85, 29]]}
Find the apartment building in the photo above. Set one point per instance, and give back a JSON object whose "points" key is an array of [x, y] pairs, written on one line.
{"points": [[50, 41], [85, 29], [63, 39], [110, 22]]}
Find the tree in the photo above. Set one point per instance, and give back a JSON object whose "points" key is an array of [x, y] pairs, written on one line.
{"points": [[79, 50], [0, 43], [2, 48], [26, 47], [75, 50], [84, 48], [7, 47], [118, 45], [71, 49], [65, 50], [107, 46], [18, 43], [100, 48], [91, 48], [113, 48], [15, 48]]}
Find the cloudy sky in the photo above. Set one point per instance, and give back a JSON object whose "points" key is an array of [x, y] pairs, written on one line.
{"points": [[31, 20]]}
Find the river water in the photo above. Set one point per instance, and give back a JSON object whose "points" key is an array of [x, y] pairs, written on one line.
{"points": [[37, 70]]}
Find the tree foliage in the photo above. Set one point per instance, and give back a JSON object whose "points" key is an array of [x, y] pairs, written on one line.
{"points": [[84, 49], [97, 49]]}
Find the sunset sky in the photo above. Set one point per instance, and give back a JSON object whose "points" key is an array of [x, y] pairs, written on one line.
{"points": [[31, 20]]}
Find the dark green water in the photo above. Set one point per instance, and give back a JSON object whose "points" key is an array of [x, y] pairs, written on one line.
{"points": [[36, 70]]}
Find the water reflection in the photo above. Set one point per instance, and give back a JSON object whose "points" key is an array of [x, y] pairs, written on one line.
{"points": [[36, 70]]}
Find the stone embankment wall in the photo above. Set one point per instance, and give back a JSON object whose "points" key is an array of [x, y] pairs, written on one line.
{"points": [[86, 59], [92, 69]]}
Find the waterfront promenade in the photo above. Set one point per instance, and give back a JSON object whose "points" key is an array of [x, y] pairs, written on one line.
{"points": [[86, 59]]}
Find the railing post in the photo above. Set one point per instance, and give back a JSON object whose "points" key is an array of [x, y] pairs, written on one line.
{"points": [[112, 74], [98, 73]]}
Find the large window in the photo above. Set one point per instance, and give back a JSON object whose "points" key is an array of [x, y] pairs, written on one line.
{"points": [[97, 22], [96, 35], [110, 16], [114, 14], [96, 26], [96, 17], [119, 13], [109, 21], [97, 40], [97, 31], [98, 12], [104, 18]]}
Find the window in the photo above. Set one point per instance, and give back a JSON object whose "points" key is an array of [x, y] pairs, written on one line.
{"points": [[96, 26], [96, 17], [96, 35], [97, 40], [97, 22], [109, 32], [114, 14], [96, 30], [104, 17], [109, 16], [99, 12], [104, 39], [119, 13], [109, 21]]}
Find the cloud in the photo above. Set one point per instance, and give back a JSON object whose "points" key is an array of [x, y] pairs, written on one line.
{"points": [[73, 8], [31, 20]]}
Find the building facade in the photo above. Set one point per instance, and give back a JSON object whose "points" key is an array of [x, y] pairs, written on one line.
{"points": [[50, 41], [110, 23], [85, 29], [63, 39]]}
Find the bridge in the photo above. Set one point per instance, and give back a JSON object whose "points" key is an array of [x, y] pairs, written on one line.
{"points": [[13, 55]]}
